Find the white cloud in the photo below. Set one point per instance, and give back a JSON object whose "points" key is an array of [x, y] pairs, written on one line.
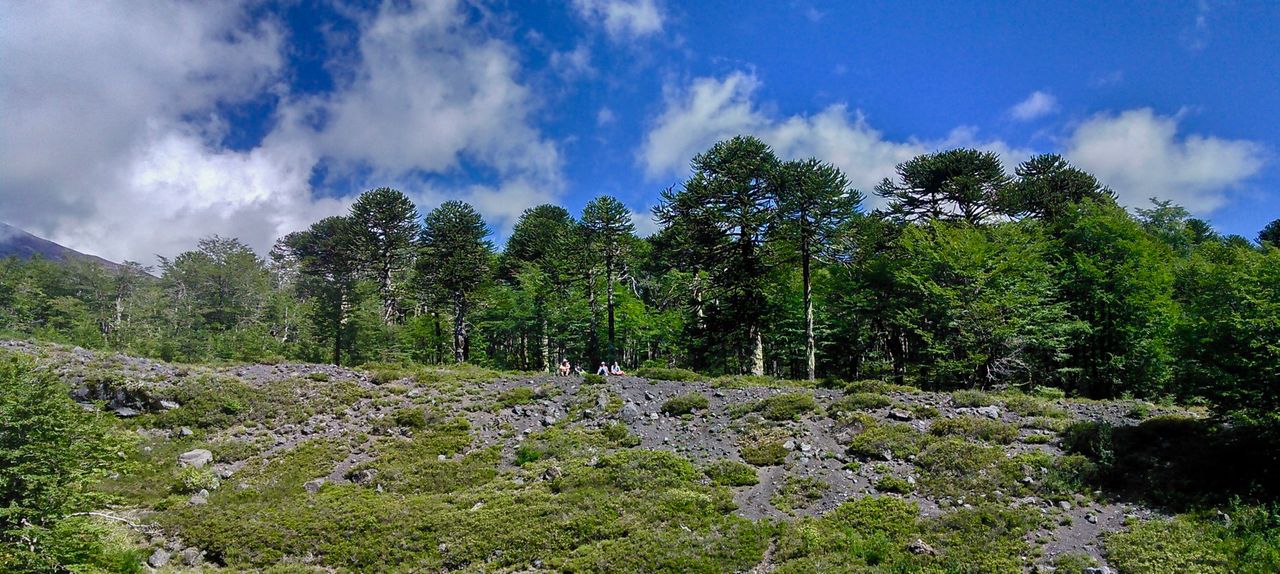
{"points": [[622, 19], [605, 117], [99, 149], [1037, 105], [1140, 154], [645, 224], [712, 109]]}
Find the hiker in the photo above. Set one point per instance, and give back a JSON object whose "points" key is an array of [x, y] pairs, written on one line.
{"points": [[564, 368], [615, 369], [603, 370]]}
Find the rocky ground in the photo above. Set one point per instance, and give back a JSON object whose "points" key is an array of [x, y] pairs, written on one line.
{"points": [[816, 443]]}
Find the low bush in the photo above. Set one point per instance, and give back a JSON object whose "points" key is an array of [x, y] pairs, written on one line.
{"points": [[980, 428], [727, 472], [685, 404], [895, 485], [786, 406], [667, 374], [972, 398], [861, 401], [592, 379], [763, 450], [898, 440], [410, 417], [798, 492], [515, 396]]}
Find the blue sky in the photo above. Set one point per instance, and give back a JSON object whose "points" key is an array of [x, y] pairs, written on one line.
{"points": [[132, 129]]}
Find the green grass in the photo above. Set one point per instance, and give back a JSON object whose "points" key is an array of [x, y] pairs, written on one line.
{"points": [[798, 492], [515, 396], [972, 398], [667, 374], [731, 473], [900, 440], [980, 428]]}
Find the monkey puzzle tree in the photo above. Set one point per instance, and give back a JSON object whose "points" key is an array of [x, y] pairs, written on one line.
{"points": [[327, 269], [455, 260], [384, 226], [814, 201], [607, 227], [953, 185]]}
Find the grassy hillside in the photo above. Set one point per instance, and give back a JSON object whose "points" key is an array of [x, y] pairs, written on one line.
{"points": [[316, 468]]}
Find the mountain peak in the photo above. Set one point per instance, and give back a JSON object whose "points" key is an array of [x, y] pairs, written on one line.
{"points": [[15, 242]]}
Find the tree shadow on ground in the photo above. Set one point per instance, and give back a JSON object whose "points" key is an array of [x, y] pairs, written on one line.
{"points": [[1178, 463]]}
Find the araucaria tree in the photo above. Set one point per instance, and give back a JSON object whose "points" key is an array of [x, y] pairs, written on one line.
{"points": [[722, 215], [814, 202], [455, 260], [384, 226], [607, 227], [327, 269], [954, 185]]}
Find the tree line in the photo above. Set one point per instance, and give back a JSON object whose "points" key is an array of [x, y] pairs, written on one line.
{"points": [[968, 277]]}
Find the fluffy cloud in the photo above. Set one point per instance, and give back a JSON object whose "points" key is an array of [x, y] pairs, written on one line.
{"points": [[1037, 105], [1140, 154], [712, 109], [112, 130], [622, 19]]}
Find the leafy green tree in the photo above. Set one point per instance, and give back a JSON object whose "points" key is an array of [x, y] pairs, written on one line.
{"points": [[455, 258], [814, 203], [1118, 279], [385, 227], [539, 256], [51, 453], [607, 226], [222, 283], [327, 271], [721, 218], [1047, 185], [959, 184], [1270, 234]]}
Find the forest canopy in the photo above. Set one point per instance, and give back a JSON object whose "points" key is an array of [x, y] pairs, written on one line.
{"points": [[969, 277]]}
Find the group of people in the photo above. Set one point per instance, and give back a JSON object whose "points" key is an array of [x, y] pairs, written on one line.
{"points": [[604, 370]]}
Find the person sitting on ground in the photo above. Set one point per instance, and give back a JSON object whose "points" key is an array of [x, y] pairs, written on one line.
{"points": [[615, 369], [564, 368], [577, 370], [603, 370]]}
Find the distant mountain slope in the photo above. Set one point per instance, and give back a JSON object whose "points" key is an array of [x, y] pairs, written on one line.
{"points": [[15, 242]]}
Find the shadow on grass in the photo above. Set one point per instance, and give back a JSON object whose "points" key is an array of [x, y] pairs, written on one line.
{"points": [[1178, 463]]}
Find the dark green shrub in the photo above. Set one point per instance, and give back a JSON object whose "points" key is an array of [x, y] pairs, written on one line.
{"points": [[667, 374], [685, 404], [764, 452], [516, 396], [895, 485], [972, 398], [410, 418], [593, 379], [798, 492], [899, 440], [727, 472], [980, 428], [786, 406], [861, 401]]}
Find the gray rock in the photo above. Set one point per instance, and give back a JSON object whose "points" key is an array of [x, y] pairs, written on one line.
{"points": [[126, 412], [192, 556], [630, 412], [1091, 519], [159, 558], [197, 500], [1096, 570], [920, 547], [313, 485], [991, 412], [168, 405], [1064, 505], [789, 445], [196, 458], [184, 431], [900, 415], [365, 476]]}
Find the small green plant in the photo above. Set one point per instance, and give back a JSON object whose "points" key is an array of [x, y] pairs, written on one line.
{"points": [[685, 404], [979, 428], [895, 439], [861, 401], [410, 418], [318, 376], [384, 376], [1140, 410], [924, 411], [515, 396], [1073, 562], [667, 374], [593, 379], [798, 492], [972, 398], [196, 479], [727, 472], [763, 451], [786, 406], [895, 485], [1049, 393]]}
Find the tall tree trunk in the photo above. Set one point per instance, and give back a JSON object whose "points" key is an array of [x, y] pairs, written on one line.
{"points": [[439, 350], [593, 303], [810, 360], [459, 330], [608, 273], [757, 352], [546, 345], [337, 334]]}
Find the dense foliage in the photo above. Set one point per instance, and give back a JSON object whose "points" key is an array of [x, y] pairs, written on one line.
{"points": [[970, 278]]}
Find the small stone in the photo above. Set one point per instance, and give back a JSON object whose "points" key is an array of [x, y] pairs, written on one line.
{"points": [[441, 457], [192, 556], [477, 506], [900, 415], [630, 412], [552, 473], [159, 558], [1064, 505], [168, 405], [548, 421], [1091, 518], [805, 447], [649, 396], [313, 485], [197, 500], [184, 431], [126, 412], [364, 477], [991, 412], [195, 458], [789, 445], [920, 547]]}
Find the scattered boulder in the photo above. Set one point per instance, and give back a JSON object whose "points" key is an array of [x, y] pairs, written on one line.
{"points": [[313, 485], [630, 412], [900, 415], [991, 412], [159, 558], [195, 458], [364, 477], [126, 412], [192, 556], [919, 547]]}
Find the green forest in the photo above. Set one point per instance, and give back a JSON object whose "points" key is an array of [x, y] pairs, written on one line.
{"points": [[969, 278], [1053, 352]]}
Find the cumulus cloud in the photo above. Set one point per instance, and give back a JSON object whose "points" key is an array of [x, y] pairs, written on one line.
{"points": [[112, 131], [1037, 105], [622, 19], [1140, 154], [713, 109]]}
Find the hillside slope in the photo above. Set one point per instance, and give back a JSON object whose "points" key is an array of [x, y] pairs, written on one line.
{"points": [[432, 469], [15, 242]]}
